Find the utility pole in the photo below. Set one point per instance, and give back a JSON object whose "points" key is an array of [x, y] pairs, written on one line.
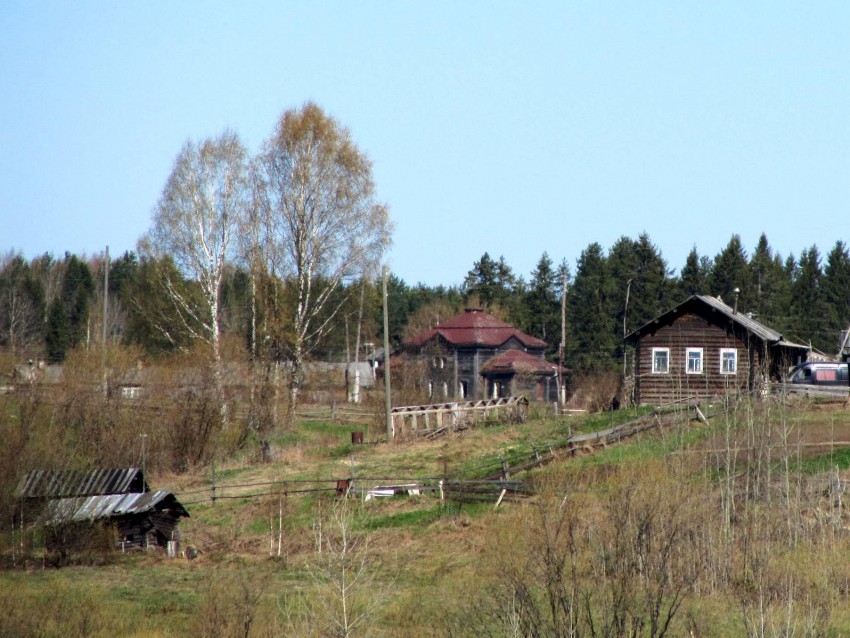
{"points": [[105, 295], [625, 314], [105, 317], [845, 357], [387, 402], [144, 436], [562, 388]]}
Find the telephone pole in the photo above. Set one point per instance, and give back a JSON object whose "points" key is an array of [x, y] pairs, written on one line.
{"points": [[387, 402], [562, 388]]}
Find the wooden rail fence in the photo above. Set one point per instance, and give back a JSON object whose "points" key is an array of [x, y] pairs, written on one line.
{"points": [[434, 419]]}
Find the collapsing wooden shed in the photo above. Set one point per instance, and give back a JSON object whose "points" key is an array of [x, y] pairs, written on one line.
{"points": [[75, 506]]}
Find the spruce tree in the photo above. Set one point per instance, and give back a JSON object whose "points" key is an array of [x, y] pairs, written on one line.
{"points": [[809, 310], [543, 302], [693, 280], [836, 289], [731, 271], [590, 327], [636, 268], [770, 284], [57, 336], [652, 285], [491, 281], [77, 291]]}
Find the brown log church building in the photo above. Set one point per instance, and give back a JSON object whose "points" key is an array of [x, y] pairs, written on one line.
{"points": [[474, 356]]}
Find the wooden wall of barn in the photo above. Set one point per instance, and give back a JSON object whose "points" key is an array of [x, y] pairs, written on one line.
{"points": [[690, 331]]}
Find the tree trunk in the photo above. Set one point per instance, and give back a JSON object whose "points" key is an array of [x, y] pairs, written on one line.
{"points": [[295, 378]]}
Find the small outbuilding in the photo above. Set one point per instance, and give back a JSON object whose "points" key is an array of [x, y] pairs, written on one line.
{"points": [[77, 507], [514, 372], [703, 348]]}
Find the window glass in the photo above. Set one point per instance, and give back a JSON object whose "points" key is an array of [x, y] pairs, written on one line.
{"points": [[660, 360], [693, 361], [825, 374], [728, 361]]}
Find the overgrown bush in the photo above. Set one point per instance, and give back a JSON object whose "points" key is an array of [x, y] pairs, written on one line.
{"points": [[599, 392]]}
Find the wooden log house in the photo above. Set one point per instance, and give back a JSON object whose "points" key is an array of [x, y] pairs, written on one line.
{"points": [[703, 348]]}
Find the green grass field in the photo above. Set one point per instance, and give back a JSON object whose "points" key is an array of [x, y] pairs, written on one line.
{"points": [[419, 566]]}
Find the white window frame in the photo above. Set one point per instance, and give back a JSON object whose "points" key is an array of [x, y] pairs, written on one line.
{"points": [[734, 353], [130, 392], [656, 370], [688, 353]]}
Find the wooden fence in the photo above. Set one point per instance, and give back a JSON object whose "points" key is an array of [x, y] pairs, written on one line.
{"points": [[826, 391], [436, 418], [493, 481], [337, 413]]}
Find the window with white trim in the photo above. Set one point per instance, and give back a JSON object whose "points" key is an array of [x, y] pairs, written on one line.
{"points": [[728, 360], [660, 360], [693, 360]]}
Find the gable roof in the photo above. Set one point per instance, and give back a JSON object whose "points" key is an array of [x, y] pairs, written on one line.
{"points": [[70, 483], [110, 505], [763, 332], [516, 361], [475, 327]]}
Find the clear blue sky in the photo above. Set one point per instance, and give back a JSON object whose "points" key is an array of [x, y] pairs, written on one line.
{"points": [[507, 127]]}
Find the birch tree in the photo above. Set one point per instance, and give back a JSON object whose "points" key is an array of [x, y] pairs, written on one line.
{"points": [[21, 304], [194, 223], [320, 224]]}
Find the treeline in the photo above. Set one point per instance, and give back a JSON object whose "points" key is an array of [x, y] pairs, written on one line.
{"points": [[611, 293], [48, 305]]}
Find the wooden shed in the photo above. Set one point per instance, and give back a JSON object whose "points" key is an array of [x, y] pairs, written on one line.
{"points": [[75, 506], [703, 348]]}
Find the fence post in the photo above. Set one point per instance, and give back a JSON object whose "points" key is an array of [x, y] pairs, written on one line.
{"points": [[505, 470]]}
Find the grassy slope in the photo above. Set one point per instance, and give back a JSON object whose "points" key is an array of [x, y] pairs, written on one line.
{"points": [[425, 551]]}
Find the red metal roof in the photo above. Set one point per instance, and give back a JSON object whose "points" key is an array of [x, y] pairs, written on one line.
{"points": [[517, 361], [475, 328]]}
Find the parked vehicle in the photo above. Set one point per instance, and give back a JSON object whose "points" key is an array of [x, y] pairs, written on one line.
{"points": [[819, 373]]}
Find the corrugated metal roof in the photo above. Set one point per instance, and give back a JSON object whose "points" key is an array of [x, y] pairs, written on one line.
{"points": [[107, 506], [757, 328], [70, 483], [475, 328]]}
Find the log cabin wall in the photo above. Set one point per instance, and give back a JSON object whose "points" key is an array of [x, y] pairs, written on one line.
{"points": [[691, 331]]}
